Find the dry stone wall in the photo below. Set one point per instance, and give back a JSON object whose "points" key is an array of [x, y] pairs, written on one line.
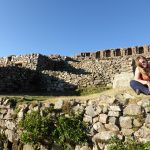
{"points": [[114, 53], [91, 73], [105, 116], [57, 73]]}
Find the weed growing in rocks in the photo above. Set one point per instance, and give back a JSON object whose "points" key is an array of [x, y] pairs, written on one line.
{"points": [[117, 144], [70, 131], [66, 131]]}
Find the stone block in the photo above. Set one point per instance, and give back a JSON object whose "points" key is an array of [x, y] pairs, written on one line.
{"points": [[114, 108], [125, 122], [127, 132], [114, 113], [103, 118], [132, 110], [122, 80]]}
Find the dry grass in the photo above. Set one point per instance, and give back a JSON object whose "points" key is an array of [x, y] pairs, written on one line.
{"points": [[52, 99]]}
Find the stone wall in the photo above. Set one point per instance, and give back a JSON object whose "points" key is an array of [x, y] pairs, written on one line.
{"points": [[58, 73], [91, 72], [105, 116], [113, 53]]}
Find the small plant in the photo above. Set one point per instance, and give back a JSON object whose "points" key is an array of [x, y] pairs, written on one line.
{"points": [[67, 108], [70, 131], [117, 144], [36, 128], [47, 129]]}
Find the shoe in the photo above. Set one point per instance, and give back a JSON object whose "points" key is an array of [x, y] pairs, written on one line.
{"points": [[137, 91]]}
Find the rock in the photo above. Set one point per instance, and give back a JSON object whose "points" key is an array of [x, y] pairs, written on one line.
{"points": [[98, 109], [143, 134], [112, 127], [122, 80], [79, 109], [103, 118], [147, 109], [147, 120], [87, 119], [114, 113], [27, 147], [103, 136], [121, 99], [114, 108], [58, 104], [9, 134], [127, 132], [144, 103], [9, 114], [106, 100], [99, 127], [95, 119], [112, 120], [90, 111], [85, 148], [137, 122], [10, 125], [132, 110], [125, 122], [22, 111], [105, 109]]}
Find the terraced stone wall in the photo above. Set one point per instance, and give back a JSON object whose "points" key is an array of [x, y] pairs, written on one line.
{"points": [[106, 116]]}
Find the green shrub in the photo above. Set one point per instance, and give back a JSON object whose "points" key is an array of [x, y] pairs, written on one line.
{"points": [[117, 144], [70, 131], [36, 128], [65, 131]]}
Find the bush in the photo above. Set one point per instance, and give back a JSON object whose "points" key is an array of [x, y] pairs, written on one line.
{"points": [[65, 131], [70, 131], [117, 144], [36, 129]]}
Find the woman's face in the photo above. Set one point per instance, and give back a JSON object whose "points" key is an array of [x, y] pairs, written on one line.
{"points": [[143, 62]]}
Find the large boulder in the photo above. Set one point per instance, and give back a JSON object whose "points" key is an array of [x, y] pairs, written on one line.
{"points": [[122, 80]]}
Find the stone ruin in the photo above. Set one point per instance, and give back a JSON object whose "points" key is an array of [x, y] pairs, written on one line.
{"points": [[36, 72], [106, 116], [118, 52]]}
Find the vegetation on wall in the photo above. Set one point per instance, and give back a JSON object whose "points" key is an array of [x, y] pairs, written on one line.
{"points": [[70, 131], [67, 132], [36, 128], [129, 144]]}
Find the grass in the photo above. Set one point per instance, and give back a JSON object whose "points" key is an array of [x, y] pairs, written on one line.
{"points": [[32, 97], [83, 94], [92, 90]]}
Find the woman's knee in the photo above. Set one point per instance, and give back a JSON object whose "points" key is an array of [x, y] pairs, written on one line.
{"points": [[132, 83]]}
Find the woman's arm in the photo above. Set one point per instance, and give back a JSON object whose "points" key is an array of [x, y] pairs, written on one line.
{"points": [[137, 77]]}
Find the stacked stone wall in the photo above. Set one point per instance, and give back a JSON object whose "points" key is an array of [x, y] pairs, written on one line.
{"points": [[105, 116], [90, 73], [59, 74], [65, 73], [113, 53]]}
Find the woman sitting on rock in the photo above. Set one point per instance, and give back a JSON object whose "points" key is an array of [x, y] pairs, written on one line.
{"points": [[141, 82]]}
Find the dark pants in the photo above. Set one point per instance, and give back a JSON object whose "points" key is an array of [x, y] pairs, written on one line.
{"points": [[141, 87]]}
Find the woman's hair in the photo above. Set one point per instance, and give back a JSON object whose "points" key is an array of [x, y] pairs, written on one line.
{"points": [[139, 65]]}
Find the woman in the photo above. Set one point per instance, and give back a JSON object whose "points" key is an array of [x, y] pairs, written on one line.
{"points": [[141, 82]]}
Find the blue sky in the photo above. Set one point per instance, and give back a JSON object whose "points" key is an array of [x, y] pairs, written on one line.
{"points": [[68, 27]]}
